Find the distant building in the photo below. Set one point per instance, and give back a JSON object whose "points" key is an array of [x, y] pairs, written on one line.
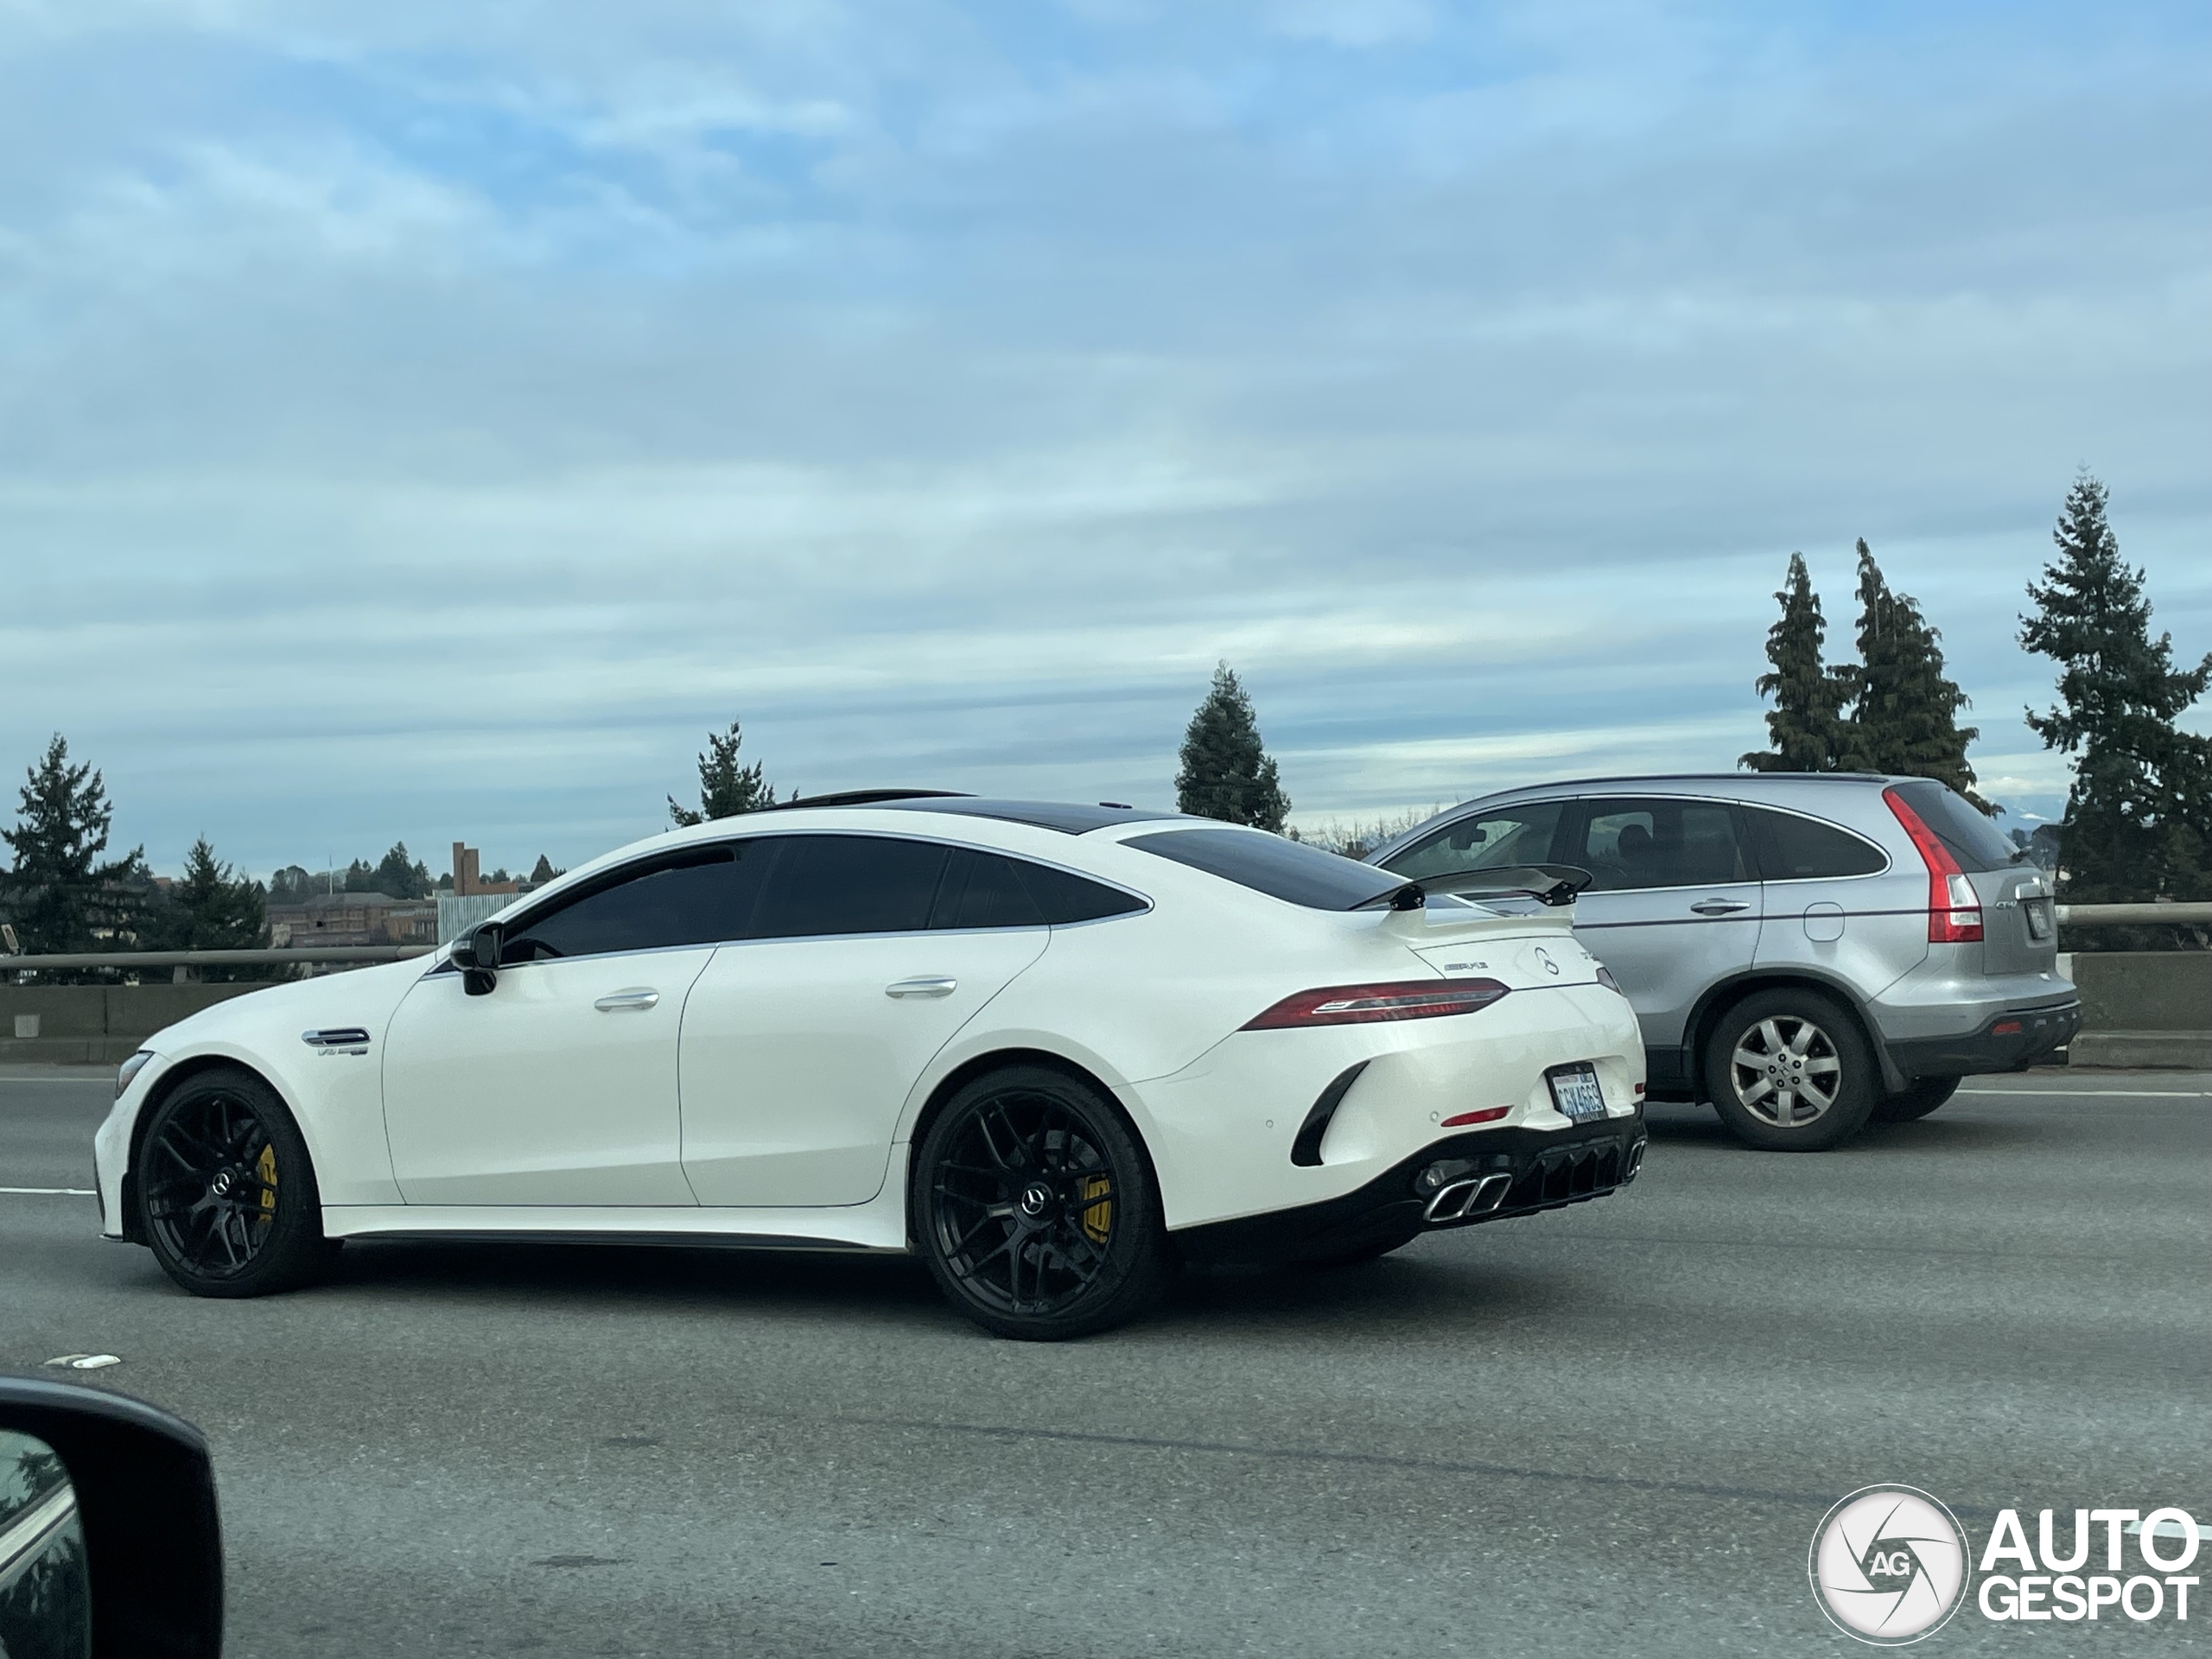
{"points": [[349, 918], [467, 882]]}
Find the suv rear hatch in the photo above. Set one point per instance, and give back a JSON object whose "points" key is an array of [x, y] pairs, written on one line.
{"points": [[1981, 888]]}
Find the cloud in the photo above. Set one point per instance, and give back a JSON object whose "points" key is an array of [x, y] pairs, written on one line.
{"points": [[428, 423]]}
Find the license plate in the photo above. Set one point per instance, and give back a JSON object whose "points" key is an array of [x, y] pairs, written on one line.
{"points": [[2038, 914], [1575, 1092]]}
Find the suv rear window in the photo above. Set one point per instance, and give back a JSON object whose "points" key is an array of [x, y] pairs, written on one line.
{"points": [[1974, 841], [1282, 869], [1791, 849]]}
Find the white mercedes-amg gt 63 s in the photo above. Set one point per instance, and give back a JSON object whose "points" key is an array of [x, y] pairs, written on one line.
{"points": [[1053, 1050]]}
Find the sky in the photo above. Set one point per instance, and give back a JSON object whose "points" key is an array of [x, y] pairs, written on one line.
{"points": [[427, 423]]}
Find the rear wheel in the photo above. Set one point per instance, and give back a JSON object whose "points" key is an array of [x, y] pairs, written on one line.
{"points": [[1035, 1209], [1789, 1070], [1921, 1099], [225, 1193]]}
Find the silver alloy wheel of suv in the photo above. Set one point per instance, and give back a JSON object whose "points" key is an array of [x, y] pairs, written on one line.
{"points": [[1785, 1071], [1790, 1072]]}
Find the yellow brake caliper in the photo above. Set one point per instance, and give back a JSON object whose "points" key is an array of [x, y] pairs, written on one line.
{"points": [[1098, 1219], [265, 1166]]}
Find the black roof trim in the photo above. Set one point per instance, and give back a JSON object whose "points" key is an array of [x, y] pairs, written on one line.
{"points": [[1068, 817], [860, 797]]}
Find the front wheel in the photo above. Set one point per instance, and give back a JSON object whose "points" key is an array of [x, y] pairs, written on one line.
{"points": [[1789, 1072], [1035, 1209], [225, 1194], [1921, 1099]]}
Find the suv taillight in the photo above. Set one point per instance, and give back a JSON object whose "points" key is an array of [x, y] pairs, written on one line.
{"points": [[1359, 1005], [1954, 907]]}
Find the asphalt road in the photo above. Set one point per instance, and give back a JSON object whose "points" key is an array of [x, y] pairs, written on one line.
{"points": [[1612, 1429]]}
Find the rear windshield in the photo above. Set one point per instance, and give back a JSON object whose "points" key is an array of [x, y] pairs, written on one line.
{"points": [[1974, 841], [1282, 869]]}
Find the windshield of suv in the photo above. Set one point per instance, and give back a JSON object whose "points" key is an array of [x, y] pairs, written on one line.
{"points": [[1974, 841], [1282, 869]]}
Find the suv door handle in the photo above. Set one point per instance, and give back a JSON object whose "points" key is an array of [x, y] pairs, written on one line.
{"points": [[1720, 907], [616, 1001], [927, 985]]}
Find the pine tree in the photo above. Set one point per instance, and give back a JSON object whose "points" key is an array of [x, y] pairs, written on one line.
{"points": [[725, 788], [211, 908], [400, 876], [2138, 817], [1905, 717], [62, 897], [1805, 724], [1226, 772]]}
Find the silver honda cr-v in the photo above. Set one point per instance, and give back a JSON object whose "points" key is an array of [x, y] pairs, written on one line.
{"points": [[1804, 950]]}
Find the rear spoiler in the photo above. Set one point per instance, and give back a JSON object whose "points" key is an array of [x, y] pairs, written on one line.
{"points": [[1556, 884]]}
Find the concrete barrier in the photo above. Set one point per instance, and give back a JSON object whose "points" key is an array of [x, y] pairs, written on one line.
{"points": [[95, 1024], [2143, 990], [2143, 1008]]}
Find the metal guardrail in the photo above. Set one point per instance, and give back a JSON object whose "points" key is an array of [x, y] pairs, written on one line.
{"points": [[2132, 915], [335, 953]]}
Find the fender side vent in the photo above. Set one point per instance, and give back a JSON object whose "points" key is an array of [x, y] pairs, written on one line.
{"points": [[344, 1037], [1306, 1149]]}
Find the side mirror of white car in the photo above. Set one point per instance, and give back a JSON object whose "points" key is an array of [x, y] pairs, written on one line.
{"points": [[476, 953]]}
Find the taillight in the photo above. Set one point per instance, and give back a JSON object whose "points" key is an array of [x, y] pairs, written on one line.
{"points": [[1360, 1004], [1954, 907]]}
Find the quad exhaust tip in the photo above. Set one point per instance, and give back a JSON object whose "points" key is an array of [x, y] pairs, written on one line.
{"points": [[1468, 1197]]}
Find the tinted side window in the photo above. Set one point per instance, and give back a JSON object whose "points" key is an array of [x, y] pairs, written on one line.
{"points": [[701, 897], [983, 890], [1659, 844], [1974, 841], [1282, 869], [1792, 848], [1064, 898], [1506, 835], [850, 884]]}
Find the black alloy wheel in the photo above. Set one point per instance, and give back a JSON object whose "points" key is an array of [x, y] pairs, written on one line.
{"points": [[1035, 1209], [225, 1193], [1789, 1071], [1917, 1100]]}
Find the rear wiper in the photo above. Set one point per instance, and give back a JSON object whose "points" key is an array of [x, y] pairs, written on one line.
{"points": [[1556, 884]]}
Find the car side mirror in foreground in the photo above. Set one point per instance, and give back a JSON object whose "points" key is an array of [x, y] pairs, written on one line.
{"points": [[476, 953], [110, 1547]]}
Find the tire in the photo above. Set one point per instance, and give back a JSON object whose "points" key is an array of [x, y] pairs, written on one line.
{"points": [[1036, 1210], [1789, 1071], [225, 1193], [1921, 1099]]}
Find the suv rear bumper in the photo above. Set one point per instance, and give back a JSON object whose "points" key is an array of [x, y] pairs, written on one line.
{"points": [[2010, 1041], [1544, 1169]]}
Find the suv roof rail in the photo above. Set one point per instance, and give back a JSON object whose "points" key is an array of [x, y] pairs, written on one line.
{"points": [[1714, 778], [867, 797]]}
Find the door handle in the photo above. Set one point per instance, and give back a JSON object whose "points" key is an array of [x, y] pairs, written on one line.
{"points": [[617, 1002], [1720, 907], [928, 985]]}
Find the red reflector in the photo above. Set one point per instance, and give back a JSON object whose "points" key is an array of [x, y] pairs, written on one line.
{"points": [[1488, 1115], [2005, 1028], [1359, 1005], [1639, 1088]]}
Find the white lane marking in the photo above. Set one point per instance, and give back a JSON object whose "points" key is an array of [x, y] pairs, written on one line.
{"points": [[2096, 1094], [53, 1192], [86, 1362]]}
